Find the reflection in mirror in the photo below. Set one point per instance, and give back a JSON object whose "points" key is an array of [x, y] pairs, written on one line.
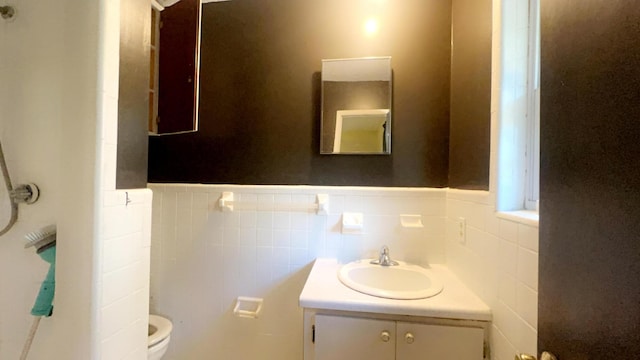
{"points": [[356, 106], [359, 131], [173, 82]]}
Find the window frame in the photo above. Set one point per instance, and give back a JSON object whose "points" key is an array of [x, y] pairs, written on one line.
{"points": [[532, 155]]}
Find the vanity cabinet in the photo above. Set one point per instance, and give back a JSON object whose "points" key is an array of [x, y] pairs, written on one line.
{"points": [[343, 324], [339, 337]]}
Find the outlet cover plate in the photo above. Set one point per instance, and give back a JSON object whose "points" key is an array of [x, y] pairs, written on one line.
{"points": [[462, 230]]}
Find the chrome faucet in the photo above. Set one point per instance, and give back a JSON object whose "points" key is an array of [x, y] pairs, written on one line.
{"points": [[384, 259]]}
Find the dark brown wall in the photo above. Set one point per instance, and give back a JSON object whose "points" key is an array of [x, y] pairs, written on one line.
{"points": [[133, 97], [589, 298], [260, 94], [469, 140]]}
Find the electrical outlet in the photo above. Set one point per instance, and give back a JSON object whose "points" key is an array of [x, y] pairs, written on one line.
{"points": [[462, 230]]}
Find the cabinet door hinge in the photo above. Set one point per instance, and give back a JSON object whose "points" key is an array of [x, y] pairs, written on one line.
{"points": [[313, 334]]}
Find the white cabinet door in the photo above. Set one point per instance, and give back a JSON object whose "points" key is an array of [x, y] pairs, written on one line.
{"points": [[437, 342], [346, 338]]}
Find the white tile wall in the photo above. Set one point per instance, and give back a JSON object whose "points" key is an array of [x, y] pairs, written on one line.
{"points": [[123, 280], [499, 262], [202, 259]]}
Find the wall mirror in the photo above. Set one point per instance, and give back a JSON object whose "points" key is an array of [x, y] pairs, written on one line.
{"points": [[173, 81], [356, 106]]}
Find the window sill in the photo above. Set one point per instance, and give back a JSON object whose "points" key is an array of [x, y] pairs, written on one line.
{"points": [[526, 217]]}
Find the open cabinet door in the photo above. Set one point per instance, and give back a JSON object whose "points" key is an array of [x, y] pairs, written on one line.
{"points": [[589, 292]]}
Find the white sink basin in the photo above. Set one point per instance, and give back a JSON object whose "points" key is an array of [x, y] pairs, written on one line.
{"points": [[402, 282]]}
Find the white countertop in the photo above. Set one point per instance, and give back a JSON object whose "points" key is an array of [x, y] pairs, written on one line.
{"points": [[323, 290]]}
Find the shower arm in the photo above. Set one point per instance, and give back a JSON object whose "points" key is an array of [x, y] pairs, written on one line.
{"points": [[23, 193], [7, 182]]}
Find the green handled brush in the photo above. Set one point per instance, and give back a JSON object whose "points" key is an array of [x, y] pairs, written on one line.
{"points": [[44, 240]]}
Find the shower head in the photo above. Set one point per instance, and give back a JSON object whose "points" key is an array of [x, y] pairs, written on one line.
{"points": [[41, 239], [7, 12]]}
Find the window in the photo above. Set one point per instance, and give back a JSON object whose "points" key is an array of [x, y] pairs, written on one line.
{"points": [[518, 142]]}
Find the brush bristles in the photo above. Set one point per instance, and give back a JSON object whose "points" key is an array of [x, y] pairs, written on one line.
{"points": [[41, 237]]}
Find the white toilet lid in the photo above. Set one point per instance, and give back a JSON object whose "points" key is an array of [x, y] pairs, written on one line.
{"points": [[163, 329]]}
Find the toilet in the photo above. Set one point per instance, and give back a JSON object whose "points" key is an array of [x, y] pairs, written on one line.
{"points": [[159, 336]]}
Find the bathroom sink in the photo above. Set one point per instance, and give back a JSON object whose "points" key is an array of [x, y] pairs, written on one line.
{"points": [[402, 282]]}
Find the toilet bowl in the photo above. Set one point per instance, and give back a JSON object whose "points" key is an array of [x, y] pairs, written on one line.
{"points": [[159, 336]]}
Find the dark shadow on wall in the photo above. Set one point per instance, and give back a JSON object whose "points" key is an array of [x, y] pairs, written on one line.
{"points": [[133, 96]]}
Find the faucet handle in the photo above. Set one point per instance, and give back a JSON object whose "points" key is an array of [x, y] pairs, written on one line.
{"points": [[384, 259]]}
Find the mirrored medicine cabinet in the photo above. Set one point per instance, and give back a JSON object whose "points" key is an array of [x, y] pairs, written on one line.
{"points": [[175, 52], [356, 106]]}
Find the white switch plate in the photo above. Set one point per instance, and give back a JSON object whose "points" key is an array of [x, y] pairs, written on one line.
{"points": [[462, 230]]}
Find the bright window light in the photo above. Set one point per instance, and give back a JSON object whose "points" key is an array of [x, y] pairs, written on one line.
{"points": [[519, 133]]}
